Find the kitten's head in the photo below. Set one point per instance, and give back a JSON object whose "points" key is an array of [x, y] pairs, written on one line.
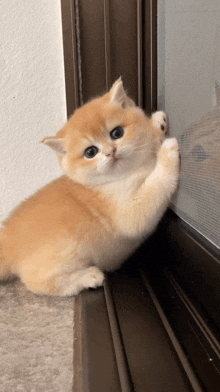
{"points": [[106, 139]]}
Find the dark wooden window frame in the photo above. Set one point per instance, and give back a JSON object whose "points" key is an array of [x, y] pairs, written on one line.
{"points": [[70, 55], [146, 55]]}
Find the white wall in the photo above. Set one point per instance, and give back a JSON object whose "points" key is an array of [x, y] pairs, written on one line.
{"points": [[32, 96]]}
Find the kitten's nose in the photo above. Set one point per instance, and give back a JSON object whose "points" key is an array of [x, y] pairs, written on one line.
{"points": [[112, 153]]}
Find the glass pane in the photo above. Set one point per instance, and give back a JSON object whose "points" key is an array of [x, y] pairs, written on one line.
{"points": [[189, 91]]}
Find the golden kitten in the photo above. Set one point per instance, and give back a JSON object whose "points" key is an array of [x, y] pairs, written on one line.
{"points": [[119, 177]]}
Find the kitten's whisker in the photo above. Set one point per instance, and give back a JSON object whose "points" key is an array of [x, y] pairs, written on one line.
{"points": [[134, 147], [139, 148]]}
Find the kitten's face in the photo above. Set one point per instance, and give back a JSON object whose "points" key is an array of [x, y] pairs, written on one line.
{"points": [[106, 139]]}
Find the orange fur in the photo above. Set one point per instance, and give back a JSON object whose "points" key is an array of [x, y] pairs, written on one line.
{"points": [[61, 239]]}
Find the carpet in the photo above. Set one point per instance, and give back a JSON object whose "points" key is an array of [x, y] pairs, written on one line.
{"points": [[36, 341]]}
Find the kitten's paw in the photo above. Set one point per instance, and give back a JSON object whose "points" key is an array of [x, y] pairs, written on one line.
{"points": [[171, 147], [168, 155], [87, 278], [159, 120], [93, 278]]}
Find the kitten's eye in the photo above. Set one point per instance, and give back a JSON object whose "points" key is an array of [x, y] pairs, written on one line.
{"points": [[117, 133], [90, 152]]}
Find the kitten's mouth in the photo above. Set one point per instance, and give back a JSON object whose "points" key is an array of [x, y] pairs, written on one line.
{"points": [[115, 159]]}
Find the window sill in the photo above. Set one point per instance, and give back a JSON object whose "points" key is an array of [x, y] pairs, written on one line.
{"points": [[142, 331]]}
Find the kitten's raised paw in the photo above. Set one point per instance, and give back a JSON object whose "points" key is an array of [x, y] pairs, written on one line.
{"points": [[168, 154], [171, 146], [160, 121]]}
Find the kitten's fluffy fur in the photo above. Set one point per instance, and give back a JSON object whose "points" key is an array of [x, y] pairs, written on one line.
{"points": [[61, 239]]}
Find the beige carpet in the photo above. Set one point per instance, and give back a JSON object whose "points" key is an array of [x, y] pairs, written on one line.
{"points": [[36, 341]]}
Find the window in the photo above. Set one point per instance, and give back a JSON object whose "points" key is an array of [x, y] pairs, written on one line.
{"points": [[189, 90]]}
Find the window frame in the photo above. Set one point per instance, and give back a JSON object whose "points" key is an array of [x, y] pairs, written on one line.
{"points": [[143, 86]]}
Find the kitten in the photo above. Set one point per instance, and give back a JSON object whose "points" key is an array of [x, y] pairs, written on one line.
{"points": [[120, 173]]}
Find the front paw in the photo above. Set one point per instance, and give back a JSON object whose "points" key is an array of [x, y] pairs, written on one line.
{"points": [[94, 277], [168, 155], [159, 120]]}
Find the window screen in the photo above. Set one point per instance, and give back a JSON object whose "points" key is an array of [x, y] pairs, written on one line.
{"points": [[189, 91]]}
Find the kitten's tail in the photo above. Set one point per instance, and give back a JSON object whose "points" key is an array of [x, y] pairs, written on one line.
{"points": [[5, 270]]}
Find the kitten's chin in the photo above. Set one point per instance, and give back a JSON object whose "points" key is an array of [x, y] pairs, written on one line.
{"points": [[112, 171], [93, 182], [93, 179], [87, 179]]}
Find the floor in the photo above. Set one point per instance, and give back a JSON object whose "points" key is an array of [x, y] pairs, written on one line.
{"points": [[36, 341]]}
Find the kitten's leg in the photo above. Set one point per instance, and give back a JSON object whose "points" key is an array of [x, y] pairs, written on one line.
{"points": [[62, 284], [153, 197]]}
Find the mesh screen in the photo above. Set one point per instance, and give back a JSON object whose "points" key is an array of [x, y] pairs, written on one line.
{"points": [[198, 198], [189, 91]]}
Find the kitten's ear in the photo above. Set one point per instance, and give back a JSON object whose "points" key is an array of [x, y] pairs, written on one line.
{"points": [[56, 144], [118, 94]]}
